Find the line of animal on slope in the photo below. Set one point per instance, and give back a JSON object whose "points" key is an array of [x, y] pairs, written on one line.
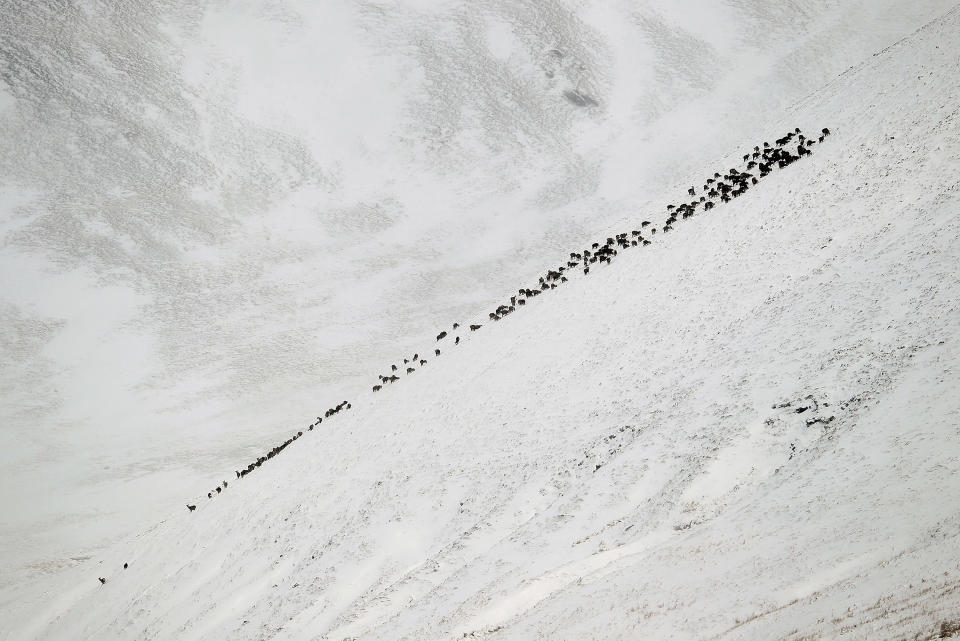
{"points": [[762, 158]]}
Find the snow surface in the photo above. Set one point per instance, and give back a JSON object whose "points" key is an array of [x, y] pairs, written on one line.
{"points": [[217, 217], [624, 458]]}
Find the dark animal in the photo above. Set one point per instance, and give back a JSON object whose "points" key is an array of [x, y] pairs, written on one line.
{"points": [[436, 352], [457, 342], [377, 388], [441, 335], [691, 191], [825, 131], [191, 507], [456, 325], [392, 367], [209, 495], [219, 490], [474, 328], [125, 566], [102, 580], [410, 370], [423, 362]]}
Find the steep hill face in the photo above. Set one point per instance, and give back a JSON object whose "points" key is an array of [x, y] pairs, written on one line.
{"points": [[213, 216], [746, 430]]}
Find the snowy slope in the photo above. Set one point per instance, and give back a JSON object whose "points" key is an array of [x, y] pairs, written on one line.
{"points": [[216, 217], [625, 457]]}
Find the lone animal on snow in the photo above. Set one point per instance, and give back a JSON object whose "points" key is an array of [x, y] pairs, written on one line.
{"points": [[191, 507], [456, 325], [102, 580], [441, 335], [410, 370], [377, 388], [456, 341], [423, 362], [392, 368], [209, 495], [474, 328], [125, 566], [436, 352]]}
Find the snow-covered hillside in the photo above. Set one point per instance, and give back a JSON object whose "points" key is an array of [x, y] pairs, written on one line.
{"points": [[218, 218], [747, 430]]}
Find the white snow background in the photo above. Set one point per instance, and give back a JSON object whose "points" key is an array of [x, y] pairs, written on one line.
{"points": [[218, 222]]}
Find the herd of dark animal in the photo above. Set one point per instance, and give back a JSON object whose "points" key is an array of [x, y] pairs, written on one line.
{"points": [[718, 188], [274, 451]]}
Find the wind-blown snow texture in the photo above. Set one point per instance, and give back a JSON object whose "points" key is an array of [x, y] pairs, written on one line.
{"points": [[624, 458]]}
